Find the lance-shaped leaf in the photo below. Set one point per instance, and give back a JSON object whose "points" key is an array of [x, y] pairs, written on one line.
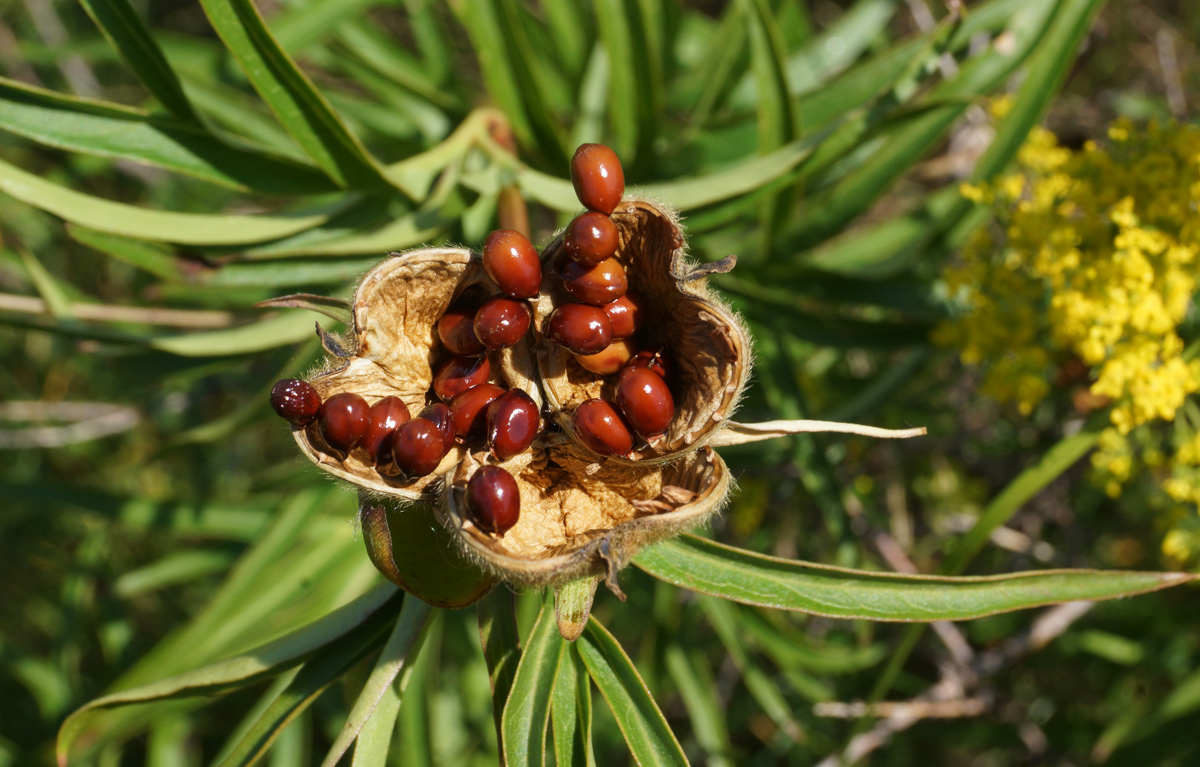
{"points": [[501, 642], [755, 579], [527, 712], [571, 713]]}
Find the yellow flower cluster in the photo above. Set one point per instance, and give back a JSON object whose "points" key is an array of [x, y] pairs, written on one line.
{"points": [[1095, 257]]}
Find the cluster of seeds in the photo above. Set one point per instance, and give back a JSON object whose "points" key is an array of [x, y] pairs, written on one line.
{"points": [[467, 408]]}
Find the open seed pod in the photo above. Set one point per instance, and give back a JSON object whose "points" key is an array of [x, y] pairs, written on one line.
{"points": [[396, 308], [579, 518], [707, 344]]}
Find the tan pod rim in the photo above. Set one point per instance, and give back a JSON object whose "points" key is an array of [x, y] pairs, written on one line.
{"points": [[394, 347], [580, 518], [709, 348]]}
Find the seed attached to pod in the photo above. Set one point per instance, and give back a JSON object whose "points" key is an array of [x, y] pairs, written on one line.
{"points": [[609, 361], [598, 178], [625, 314], [579, 328], [591, 238], [469, 410], [512, 262], [596, 285], [502, 322], [512, 424], [601, 428], [295, 401], [458, 374], [418, 447], [652, 360], [456, 329], [343, 421], [439, 415], [494, 500], [384, 417], [645, 400]]}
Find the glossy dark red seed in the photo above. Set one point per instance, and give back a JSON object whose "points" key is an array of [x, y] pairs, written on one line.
{"points": [[494, 500], [512, 423], [456, 329], [598, 178], [418, 447], [596, 285], [645, 401], [295, 401], [579, 328], [469, 410], [610, 360], [343, 421], [625, 314], [502, 322], [512, 262], [439, 415], [601, 428], [385, 417], [458, 374], [591, 238], [653, 360]]}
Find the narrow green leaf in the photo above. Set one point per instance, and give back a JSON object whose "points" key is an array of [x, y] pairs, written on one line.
{"points": [[142, 223], [120, 23], [363, 41], [645, 729], [302, 25], [571, 713], [301, 109], [755, 579], [698, 689], [527, 710], [375, 739], [569, 31], [532, 70], [58, 303], [626, 104], [724, 61], [405, 638], [143, 255], [278, 330], [171, 570], [501, 642], [334, 308], [482, 21]]}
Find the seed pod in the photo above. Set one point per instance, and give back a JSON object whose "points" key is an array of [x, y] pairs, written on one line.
{"points": [[602, 428], [502, 322], [456, 329], [342, 422], [417, 448], [458, 374], [512, 424], [645, 401], [385, 417], [625, 314], [295, 401], [579, 328], [596, 285], [469, 410], [608, 361], [598, 178], [590, 238], [680, 312], [494, 500], [512, 262]]}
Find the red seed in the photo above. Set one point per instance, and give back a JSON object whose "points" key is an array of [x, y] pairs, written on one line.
{"points": [[512, 262], [456, 328], [439, 415], [645, 400], [458, 374], [295, 401], [625, 314], [609, 361], [596, 285], [343, 421], [591, 238], [494, 500], [502, 322], [418, 447], [512, 424], [597, 177], [652, 360], [469, 410], [384, 417], [579, 328], [601, 428]]}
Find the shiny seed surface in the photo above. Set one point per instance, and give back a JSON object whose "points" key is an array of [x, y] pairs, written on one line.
{"points": [[456, 329], [417, 447], [598, 178], [385, 417], [655, 360], [591, 238], [469, 410], [502, 322], [597, 285], [512, 424], [610, 360], [494, 500], [625, 314], [295, 401], [439, 415], [579, 328], [601, 428], [512, 262], [343, 421], [645, 401], [458, 374]]}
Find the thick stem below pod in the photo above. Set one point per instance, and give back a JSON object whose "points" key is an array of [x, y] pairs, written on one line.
{"points": [[412, 550], [573, 605]]}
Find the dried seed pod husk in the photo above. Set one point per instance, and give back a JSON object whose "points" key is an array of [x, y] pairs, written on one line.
{"points": [[581, 518], [710, 348], [412, 550], [393, 350]]}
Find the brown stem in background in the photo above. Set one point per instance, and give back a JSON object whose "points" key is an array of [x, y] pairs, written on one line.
{"points": [[511, 210]]}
